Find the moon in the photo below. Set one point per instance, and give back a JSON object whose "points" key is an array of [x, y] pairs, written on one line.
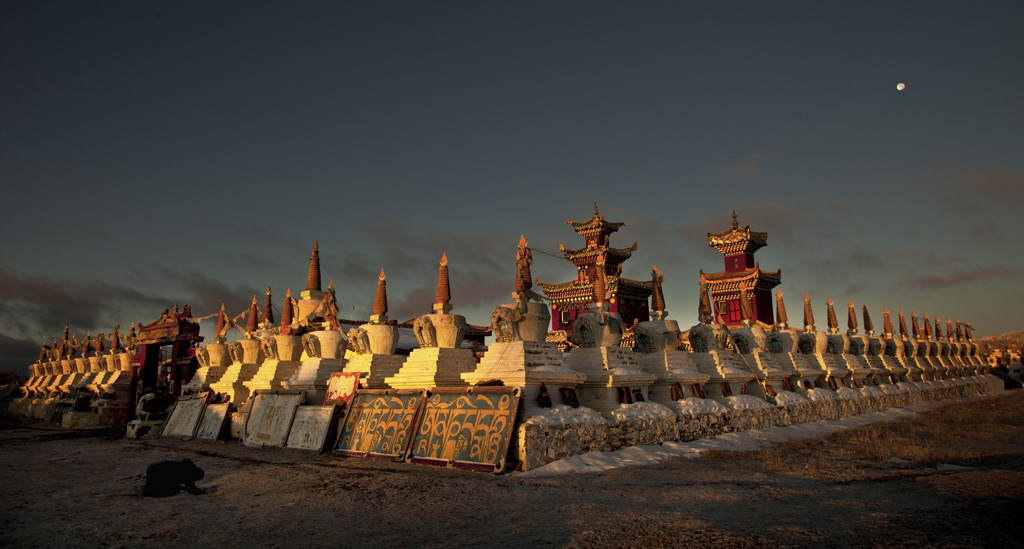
{"points": [[900, 86]]}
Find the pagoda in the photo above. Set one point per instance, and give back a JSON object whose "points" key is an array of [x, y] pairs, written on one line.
{"points": [[625, 296], [738, 245]]}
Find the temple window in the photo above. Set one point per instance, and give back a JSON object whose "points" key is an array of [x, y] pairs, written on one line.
{"points": [[734, 310]]}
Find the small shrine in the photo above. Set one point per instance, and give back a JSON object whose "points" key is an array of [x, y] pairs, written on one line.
{"points": [[627, 297], [162, 369], [738, 245]]}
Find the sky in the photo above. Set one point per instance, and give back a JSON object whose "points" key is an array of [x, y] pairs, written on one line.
{"points": [[193, 152]]}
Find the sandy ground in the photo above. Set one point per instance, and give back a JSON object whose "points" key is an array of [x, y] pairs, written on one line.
{"points": [[74, 489]]}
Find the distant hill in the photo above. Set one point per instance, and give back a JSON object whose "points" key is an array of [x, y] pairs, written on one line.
{"points": [[1016, 335], [1016, 338]]}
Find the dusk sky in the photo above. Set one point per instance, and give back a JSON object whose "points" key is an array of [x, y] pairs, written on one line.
{"points": [[153, 153]]}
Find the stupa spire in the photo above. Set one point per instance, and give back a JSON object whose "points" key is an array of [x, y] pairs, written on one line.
{"points": [[938, 328], [250, 325], [808, 313], [851, 319], [268, 311], [599, 282], [887, 330], [524, 258], [735, 224], [658, 298], [746, 310], [959, 333], [222, 321], [287, 313], [780, 310], [313, 278], [916, 333], [380, 303], [443, 295], [903, 326], [704, 313], [833, 324], [949, 329], [869, 328], [927, 327], [115, 342]]}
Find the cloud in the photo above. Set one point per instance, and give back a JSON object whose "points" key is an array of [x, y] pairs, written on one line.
{"points": [[17, 353], [38, 306], [959, 277], [980, 201], [481, 268], [204, 294], [750, 166]]}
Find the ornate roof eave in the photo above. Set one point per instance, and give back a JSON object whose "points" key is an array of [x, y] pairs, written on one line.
{"points": [[754, 274], [613, 282], [611, 253], [596, 222], [738, 239]]}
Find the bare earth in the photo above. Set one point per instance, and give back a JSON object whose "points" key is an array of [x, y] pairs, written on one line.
{"points": [[881, 486]]}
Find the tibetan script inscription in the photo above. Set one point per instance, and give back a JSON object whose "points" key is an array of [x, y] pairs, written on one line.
{"points": [[380, 423], [467, 428]]}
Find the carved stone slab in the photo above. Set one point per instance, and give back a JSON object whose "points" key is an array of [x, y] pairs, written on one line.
{"points": [[212, 424], [271, 417], [467, 428], [185, 416], [311, 427], [379, 423]]}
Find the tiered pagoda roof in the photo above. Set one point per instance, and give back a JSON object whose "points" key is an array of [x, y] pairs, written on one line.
{"points": [[598, 260], [583, 291], [754, 277], [737, 240], [595, 226]]}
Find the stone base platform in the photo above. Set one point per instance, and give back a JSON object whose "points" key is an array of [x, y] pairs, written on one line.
{"points": [[537, 443]]}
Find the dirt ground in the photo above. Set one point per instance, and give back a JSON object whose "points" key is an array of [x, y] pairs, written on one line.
{"points": [[886, 485]]}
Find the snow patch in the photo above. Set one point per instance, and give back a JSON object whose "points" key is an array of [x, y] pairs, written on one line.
{"points": [[747, 402], [818, 395], [787, 398], [694, 406], [567, 415], [641, 410]]}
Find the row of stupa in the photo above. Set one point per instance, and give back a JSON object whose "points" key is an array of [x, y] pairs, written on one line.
{"points": [[597, 371], [593, 316]]}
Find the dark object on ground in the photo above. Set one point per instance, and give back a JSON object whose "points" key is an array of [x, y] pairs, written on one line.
{"points": [[167, 478]]}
